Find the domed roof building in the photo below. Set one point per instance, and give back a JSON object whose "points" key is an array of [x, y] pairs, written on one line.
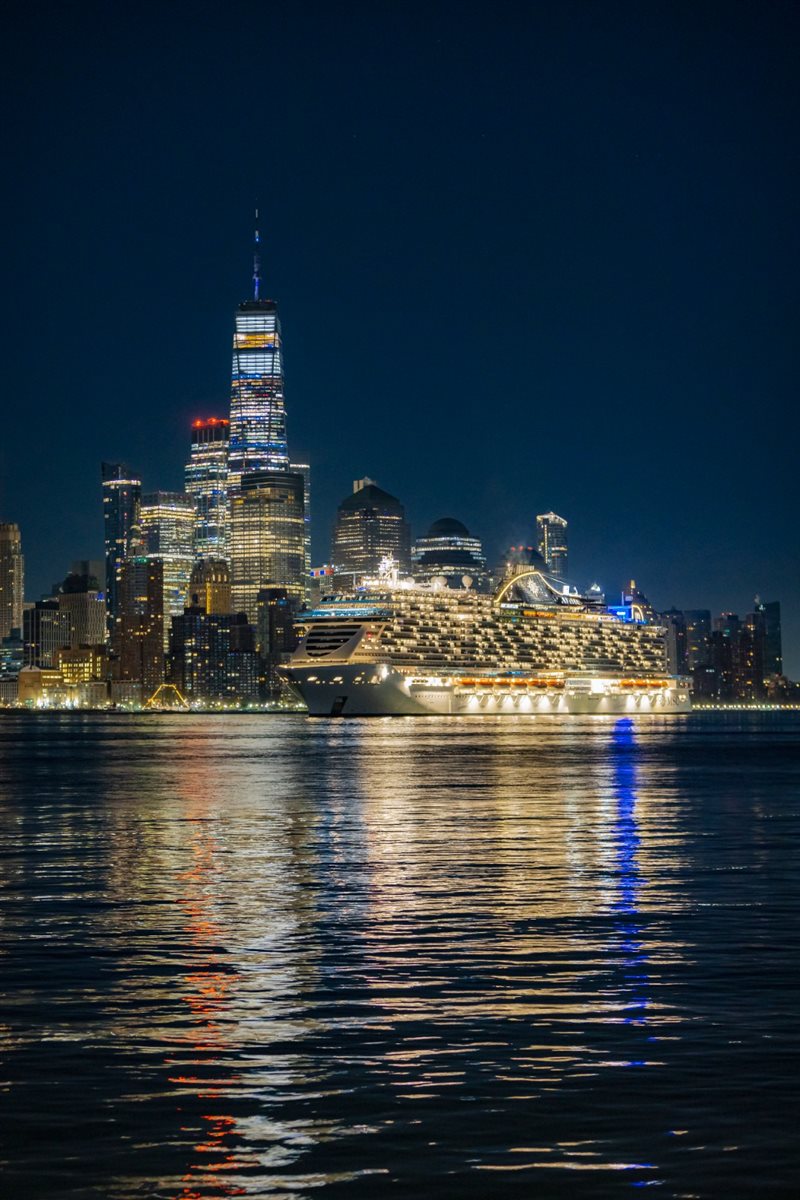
{"points": [[370, 527], [450, 552]]}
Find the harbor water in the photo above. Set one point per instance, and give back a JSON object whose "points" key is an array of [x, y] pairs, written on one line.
{"points": [[268, 956]]}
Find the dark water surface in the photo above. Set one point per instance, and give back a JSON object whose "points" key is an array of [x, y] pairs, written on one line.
{"points": [[269, 956]]}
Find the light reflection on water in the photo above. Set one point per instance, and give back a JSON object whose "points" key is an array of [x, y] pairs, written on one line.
{"points": [[271, 957]]}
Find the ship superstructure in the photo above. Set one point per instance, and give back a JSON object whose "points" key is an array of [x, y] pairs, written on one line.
{"points": [[533, 647]]}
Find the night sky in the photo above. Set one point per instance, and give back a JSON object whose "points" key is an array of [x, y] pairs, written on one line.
{"points": [[527, 256]]}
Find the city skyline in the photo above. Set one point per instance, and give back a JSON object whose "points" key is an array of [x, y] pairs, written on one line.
{"points": [[640, 369]]}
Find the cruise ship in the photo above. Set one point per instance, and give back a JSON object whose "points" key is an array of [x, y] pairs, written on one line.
{"points": [[396, 648]]}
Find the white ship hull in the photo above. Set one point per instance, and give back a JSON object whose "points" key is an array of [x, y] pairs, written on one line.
{"points": [[367, 690]]}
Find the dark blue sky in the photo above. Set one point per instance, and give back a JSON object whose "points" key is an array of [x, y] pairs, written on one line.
{"points": [[527, 257]]}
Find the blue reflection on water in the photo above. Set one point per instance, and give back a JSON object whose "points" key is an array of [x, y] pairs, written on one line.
{"points": [[628, 873]]}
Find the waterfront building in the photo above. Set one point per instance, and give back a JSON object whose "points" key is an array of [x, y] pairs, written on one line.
{"points": [[81, 599], [207, 484], [450, 553], [551, 533], [213, 656], [267, 518], [42, 686], [12, 578], [81, 664], [276, 635], [210, 586], [768, 621], [167, 533], [674, 624], [122, 497], [12, 654], [698, 637], [370, 527], [138, 639], [46, 629]]}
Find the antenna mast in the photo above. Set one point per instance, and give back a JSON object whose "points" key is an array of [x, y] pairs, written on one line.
{"points": [[257, 262]]}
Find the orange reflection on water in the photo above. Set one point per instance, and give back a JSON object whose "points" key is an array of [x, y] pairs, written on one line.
{"points": [[208, 996]]}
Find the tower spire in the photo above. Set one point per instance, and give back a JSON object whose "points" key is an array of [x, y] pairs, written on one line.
{"points": [[256, 262]]}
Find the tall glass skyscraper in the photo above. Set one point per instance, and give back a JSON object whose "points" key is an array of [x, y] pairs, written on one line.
{"points": [[552, 542], [370, 526], [266, 502], [268, 537], [167, 525], [305, 470], [122, 498], [258, 414], [207, 484]]}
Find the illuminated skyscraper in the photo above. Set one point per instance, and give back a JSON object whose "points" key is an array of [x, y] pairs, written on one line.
{"points": [[768, 624], [267, 510], [167, 534], [450, 552], [207, 484], [370, 527], [698, 637], [258, 415], [552, 542], [138, 639], [268, 537], [305, 470], [122, 497], [12, 569], [46, 630]]}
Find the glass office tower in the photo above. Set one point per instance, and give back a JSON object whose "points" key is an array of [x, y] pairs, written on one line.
{"points": [[552, 542], [370, 526], [122, 498], [167, 532], [258, 414], [207, 484], [267, 512], [268, 537], [305, 470]]}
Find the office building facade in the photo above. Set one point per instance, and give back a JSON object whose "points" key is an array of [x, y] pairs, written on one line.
{"points": [[267, 537], [12, 578], [698, 637], [370, 527], [46, 630], [138, 640], [122, 498], [207, 485], [82, 600], [213, 656], [210, 587], [276, 634], [767, 618], [167, 534], [305, 470], [551, 532], [258, 413], [450, 553]]}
